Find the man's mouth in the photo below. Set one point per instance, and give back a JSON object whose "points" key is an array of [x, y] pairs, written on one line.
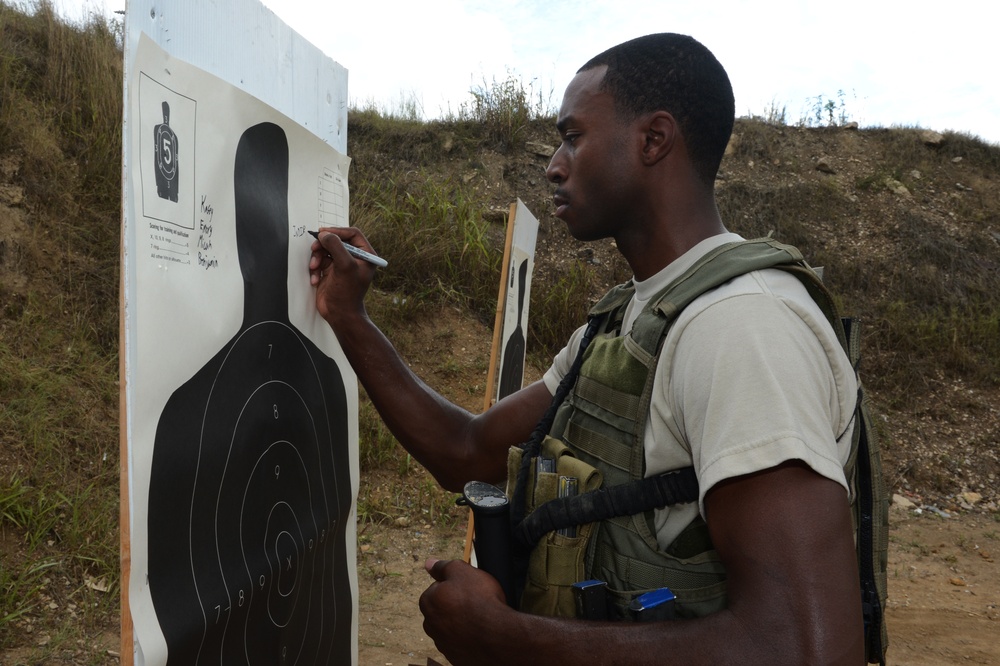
{"points": [[561, 202]]}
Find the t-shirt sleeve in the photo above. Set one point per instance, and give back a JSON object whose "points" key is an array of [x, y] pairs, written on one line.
{"points": [[563, 361], [755, 382]]}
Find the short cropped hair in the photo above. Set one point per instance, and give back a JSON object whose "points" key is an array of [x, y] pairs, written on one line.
{"points": [[677, 74]]}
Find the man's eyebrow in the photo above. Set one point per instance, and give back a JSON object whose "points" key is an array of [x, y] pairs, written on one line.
{"points": [[563, 122]]}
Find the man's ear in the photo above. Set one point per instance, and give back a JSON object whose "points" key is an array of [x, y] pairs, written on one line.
{"points": [[660, 134]]}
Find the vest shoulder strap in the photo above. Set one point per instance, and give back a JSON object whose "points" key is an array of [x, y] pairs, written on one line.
{"points": [[713, 270], [870, 510]]}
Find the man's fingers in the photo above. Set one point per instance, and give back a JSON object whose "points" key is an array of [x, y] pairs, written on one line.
{"points": [[349, 235], [332, 245], [435, 568]]}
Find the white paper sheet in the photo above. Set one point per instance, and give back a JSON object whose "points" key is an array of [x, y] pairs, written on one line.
{"points": [[242, 409]]}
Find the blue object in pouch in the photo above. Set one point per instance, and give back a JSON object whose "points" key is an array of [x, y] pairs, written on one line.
{"points": [[653, 606]]}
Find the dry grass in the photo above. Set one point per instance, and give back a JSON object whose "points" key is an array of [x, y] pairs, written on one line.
{"points": [[60, 119]]}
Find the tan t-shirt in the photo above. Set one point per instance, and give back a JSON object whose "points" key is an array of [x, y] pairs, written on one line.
{"points": [[751, 375]]}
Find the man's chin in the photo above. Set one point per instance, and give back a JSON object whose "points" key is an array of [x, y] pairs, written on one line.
{"points": [[583, 234]]}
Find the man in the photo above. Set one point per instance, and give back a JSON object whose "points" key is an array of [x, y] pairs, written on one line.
{"points": [[751, 387]]}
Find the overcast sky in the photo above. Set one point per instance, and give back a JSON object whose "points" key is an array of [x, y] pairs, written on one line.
{"points": [[887, 62]]}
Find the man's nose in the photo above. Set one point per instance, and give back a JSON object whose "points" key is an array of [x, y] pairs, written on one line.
{"points": [[556, 170]]}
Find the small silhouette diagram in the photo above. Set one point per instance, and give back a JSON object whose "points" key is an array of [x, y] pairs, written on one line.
{"points": [[250, 489], [165, 147]]}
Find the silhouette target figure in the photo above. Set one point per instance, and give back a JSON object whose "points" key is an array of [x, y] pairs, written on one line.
{"points": [[512, 372], [250, 487]]}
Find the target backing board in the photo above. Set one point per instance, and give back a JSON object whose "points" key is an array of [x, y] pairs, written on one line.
{"points": [[241, 408], [519, 268]]}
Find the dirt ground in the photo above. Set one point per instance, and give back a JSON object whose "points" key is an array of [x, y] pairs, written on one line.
{"points": [[944, 590], [943, 608]]}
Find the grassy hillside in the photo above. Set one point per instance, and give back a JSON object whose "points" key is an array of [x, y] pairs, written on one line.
{"points": [[60, 148], [907, 228]]}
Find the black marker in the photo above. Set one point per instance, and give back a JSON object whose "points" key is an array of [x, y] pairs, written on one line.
{"points": [[358, 252]]}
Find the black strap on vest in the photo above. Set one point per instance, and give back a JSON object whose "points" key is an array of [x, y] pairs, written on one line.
{"points": [[534, 443], [531, 448], [655, 492], [871, 606]]}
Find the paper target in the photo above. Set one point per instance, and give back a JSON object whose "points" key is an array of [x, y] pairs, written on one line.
{"points": [[250, 494]]}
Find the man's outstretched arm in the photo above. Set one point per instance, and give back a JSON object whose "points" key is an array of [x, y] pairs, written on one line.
{"points": [[453, 444]]}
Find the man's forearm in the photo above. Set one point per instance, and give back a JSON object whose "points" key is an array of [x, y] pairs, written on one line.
{"points": [[432, 429], [721, 638], [454, 445], [530, 640]]}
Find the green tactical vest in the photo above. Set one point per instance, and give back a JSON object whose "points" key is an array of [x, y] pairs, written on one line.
{"points": [[603, 420]]}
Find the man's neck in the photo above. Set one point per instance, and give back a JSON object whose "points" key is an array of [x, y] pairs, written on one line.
{"points": [[668, 237]]}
